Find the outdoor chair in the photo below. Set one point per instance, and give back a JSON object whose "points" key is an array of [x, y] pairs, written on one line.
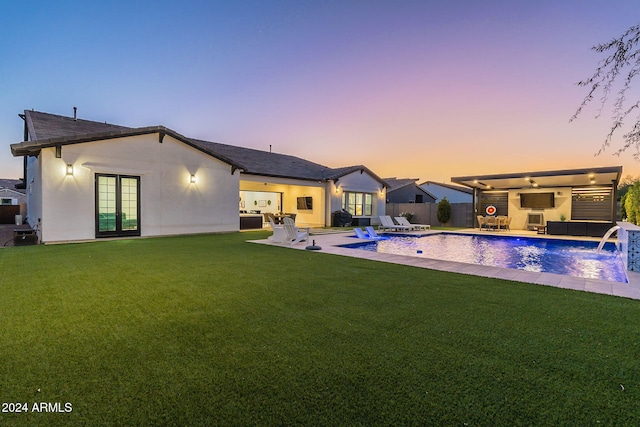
{"points": [[279, 235], [360, 234], [503, 223], [372, 233], [404, 221], [388, 224], [491, 222], [294, 234]]}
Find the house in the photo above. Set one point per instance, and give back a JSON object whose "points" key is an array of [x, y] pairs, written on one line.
{"points": [[405, 190], [87, 180], [571, 201], [453, 193], [12, 201], [10, 193]]}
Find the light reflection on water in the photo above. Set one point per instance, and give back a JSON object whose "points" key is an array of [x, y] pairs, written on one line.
{"points": [[572, 258]]}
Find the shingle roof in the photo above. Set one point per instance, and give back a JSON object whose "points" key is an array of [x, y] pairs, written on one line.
{"points": [[49, 130], [396, 183], [11, 184], [48, 126], [266, 163]]}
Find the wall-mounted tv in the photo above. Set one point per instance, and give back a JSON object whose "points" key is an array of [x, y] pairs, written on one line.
{"points": [[305, 203], [537, 200]]}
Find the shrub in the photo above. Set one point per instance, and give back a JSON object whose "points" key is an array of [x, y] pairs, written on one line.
{"points": [[408, 215], [444, 211]]}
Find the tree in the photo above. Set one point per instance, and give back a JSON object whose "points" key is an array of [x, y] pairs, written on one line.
{"points": [[622, 62], [444, 211], [632, 204]]}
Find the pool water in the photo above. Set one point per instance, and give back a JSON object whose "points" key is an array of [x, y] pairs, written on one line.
{"points": [[568, 257]]}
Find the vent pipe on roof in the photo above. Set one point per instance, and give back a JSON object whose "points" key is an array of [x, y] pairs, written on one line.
{"points": [[75, 113], [269, 147]]}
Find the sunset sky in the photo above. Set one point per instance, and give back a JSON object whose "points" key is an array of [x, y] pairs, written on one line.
{"points": [[413, 89]]}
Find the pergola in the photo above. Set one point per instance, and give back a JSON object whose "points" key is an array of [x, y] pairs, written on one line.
{"points": [[608, 177]]}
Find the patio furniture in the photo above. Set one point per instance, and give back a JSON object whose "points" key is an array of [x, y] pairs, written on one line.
{"points": [[388, 224], [360, 234], [279, 235], [294, 234], [480, 221], [491, 222], [372, 233], [404, 221], [504, 223]]}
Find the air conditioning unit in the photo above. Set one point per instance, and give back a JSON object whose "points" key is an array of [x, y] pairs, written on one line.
{"points": [[534, 219]]}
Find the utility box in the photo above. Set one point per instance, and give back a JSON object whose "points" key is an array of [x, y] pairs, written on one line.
{"points": [[24, 237]]}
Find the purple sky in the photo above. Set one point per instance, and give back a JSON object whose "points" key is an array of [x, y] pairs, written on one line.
{"points": [[419, 89]]}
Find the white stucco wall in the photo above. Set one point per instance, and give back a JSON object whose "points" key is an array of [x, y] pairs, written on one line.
{"points": [[170, 203], [562, 201], [358, 182]]}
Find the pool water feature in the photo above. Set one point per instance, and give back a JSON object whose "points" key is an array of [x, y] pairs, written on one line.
{"points": [[567, 257]]}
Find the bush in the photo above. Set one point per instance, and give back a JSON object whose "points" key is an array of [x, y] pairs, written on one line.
{"points": [[444, 211], [408, 215]]}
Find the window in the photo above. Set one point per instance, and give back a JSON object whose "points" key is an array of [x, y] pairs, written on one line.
{"points": [[358, 204]]}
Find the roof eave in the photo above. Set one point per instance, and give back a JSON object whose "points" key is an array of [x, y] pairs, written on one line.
{"points": [[31, 148]]}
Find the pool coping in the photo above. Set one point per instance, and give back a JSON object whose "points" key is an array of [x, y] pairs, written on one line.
{"points": [[330, 244]]}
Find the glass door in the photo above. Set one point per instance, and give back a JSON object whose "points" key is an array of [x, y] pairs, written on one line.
{"points": [[117, 205]]}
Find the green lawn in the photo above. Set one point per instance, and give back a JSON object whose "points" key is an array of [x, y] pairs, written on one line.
{"points": [[210, 330]]}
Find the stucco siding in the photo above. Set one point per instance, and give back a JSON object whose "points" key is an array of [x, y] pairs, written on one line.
{"points": [[359, 182], [169, 202]]}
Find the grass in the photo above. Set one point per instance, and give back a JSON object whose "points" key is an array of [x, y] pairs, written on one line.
{"points": [[210, 330]]}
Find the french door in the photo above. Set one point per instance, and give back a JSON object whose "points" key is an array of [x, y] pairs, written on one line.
{"points": [[117, 205]]}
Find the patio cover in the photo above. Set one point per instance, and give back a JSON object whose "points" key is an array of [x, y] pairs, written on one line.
{"points": [[604, 176]]}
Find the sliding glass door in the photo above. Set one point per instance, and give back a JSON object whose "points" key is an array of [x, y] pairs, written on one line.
{"points": [[117, 205]]}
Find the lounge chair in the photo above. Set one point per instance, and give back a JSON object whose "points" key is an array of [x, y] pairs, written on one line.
{"points": [[404, 221], [388, 224], [279, 234], [372, 233], [360, 234], [294, 234]]}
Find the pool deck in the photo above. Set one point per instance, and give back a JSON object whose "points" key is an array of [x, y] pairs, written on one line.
{"points": [[330, 241]]}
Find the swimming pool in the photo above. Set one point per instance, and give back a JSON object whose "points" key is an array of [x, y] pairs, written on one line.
{"points": [[568, 257]]}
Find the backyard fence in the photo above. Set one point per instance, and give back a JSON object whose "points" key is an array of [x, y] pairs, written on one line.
{"points": [[427, 213]]}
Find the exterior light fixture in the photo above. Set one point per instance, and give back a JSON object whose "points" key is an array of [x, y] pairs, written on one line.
{"points": [[193, 178], [69, 169]]}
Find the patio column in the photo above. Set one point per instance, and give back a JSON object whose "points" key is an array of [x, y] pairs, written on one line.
{"points": [[475, 207], [614, 203]]}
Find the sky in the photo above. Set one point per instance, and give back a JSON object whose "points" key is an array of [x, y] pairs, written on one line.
{"points": [[411, 89]]}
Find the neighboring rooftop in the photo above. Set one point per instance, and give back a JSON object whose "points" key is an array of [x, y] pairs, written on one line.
{"points": [[449, 186], [11, 184]]}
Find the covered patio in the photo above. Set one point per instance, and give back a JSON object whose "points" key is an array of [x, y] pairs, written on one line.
{"points": [[578, 202]]}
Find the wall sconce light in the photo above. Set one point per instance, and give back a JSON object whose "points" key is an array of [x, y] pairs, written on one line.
{"points": [[337, 189], [193, 178], [69, 169]]}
